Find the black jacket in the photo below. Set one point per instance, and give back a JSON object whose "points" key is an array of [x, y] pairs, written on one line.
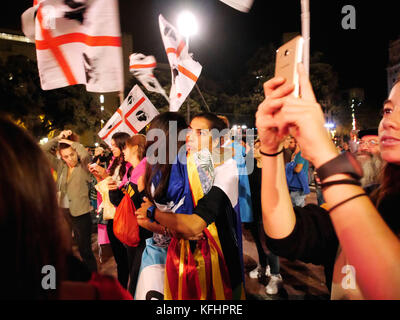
{"points": [[313, 239]]}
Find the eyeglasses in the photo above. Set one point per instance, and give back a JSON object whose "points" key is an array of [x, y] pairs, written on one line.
{"points": [[370, 143]]}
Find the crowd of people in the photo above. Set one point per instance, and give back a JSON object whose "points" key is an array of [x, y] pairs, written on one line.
{"points": [[175, 226]]}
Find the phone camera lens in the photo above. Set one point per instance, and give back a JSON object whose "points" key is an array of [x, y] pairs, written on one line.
{"points": [[287, 53]]}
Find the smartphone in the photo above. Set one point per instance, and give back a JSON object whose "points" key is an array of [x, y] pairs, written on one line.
{"points": [[288, 57]]}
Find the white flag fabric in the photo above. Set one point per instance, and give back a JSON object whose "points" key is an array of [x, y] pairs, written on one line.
{"points": [[28, 22], [77, 42], [132, 116], [142, 67], [184, 70], [241, 5]]}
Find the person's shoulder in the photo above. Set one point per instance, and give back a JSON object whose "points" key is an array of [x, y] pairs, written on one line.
{"points": [[230, 164], [100, 287], [300, 159], [108, 288]]}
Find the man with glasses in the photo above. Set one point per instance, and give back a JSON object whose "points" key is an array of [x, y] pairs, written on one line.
{"points": [[368, 155], [368, 142]]}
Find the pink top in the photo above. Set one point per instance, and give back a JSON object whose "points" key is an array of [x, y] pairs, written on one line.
{"points": [[138, 171]]}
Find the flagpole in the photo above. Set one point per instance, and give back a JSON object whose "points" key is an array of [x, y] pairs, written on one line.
{"points": [[121, 97], [198, 89], [188, 105], [305, 30]]}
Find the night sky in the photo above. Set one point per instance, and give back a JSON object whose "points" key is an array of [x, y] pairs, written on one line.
{"points": [[228, 38]]}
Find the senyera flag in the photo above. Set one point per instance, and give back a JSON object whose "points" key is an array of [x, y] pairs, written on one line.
{"points": [[184, 70], [241, 5], [132, 116], [77, 42], [142, 67]]}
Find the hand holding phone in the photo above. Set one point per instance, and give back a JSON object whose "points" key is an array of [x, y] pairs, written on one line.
{"points": [[288, 56]]}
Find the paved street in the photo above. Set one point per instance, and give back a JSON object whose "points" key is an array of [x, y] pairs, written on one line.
{"points": [[300, 281]]}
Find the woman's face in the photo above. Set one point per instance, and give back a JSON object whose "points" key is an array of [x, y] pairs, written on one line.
{"points": [[199, 135], [389, 128], [130, 153], [114, 149]]}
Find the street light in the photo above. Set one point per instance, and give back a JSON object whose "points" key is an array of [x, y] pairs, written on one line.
{"points": [[187, 26]]}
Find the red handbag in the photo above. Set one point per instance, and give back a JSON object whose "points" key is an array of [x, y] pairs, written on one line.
{"points": [[126, 227]]}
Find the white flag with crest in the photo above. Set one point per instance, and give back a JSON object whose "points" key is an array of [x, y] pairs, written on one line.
{"points": [[184, 70], [77, 42], [133, 115], [142, 67]]}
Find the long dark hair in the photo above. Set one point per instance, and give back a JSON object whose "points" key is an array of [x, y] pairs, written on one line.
{"points": [[389, 183], [162, 122], [31, 224], [120, 139], [389, 177]]}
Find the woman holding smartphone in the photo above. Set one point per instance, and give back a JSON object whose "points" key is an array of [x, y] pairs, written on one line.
{"points": [[345, 237]]}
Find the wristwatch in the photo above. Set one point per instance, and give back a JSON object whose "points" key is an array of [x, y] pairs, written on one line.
{"points": [[151, 213], [345, 163]]}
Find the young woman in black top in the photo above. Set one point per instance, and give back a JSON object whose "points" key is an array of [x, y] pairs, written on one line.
{"points": [[369, 250]]}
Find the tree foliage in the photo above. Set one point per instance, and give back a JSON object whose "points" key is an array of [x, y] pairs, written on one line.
{"points": [[72, 107], [43, 111]]}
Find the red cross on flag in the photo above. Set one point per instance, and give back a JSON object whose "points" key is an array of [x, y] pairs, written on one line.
{"points": [[77, 42], [132, 116], [184, 70], [142, 67]]}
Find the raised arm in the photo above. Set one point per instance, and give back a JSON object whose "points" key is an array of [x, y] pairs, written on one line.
{"points": [[361, 230], [83, 155], [51, 144], [278, 215]]}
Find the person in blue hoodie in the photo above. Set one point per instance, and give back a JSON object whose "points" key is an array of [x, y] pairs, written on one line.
{"points": [[297, 177]]}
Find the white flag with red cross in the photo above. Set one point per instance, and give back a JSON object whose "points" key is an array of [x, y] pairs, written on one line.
{"points": [[77, 42], [142, 67], [133, 115], [184, 70]]}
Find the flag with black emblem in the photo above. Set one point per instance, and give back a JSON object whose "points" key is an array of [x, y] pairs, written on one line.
{"points": [[77, 42], [132, 116], [142, 67]]}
